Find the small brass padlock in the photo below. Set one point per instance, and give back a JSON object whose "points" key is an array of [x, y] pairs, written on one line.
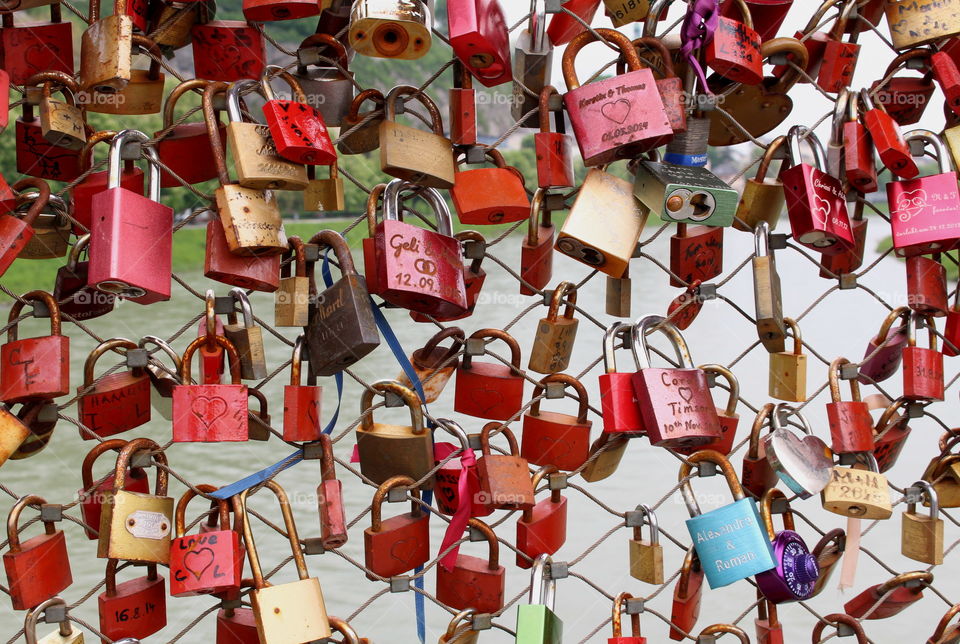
{"points": [[553, 342], [788, 370], [646, 555], [921, 537]]}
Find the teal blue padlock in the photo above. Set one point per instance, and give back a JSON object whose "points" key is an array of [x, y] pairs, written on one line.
{"points": [[536, 622], [730, 541]]}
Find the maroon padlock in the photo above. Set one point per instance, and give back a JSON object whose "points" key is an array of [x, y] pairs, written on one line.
{"points": [[947, 75], [553, 438], [398, 544], [186, 148], [834, 266], [34, 367], [474, 582], [76, 299], [686, 597], [301, 403], [92, 494], [727, 416], [859, 155], [37, 157], [38, 568], [447, 487], [885, 350], [851, 427], [891, 147], [554, 150], [333, 521], [890, 434], [922, 367], [542, 529], [905, 98], [839, 56], [463, 108], [927, 285], [951, 332], [257, 272]]}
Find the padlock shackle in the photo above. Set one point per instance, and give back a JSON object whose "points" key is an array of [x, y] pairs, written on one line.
{"points": [[232, 355], [763, 417], [86, 468], [650, 519], [86, 153], [656, 46], [271, 72], [235, 95], [537, 26], [162, 344], [13, 535], [504, 431], [126, 454], [568, 381], [453, 333], [944, 622], [210, 318], [496, 334], [783, 411], [33, 296], [372, 207], [110, 576], [948, 439], [374, 95], [901, 61], [39, 202], [327, 464], [835, 368], [335, 241], [933, 140], [180, 514], [787, 46], [614, 331], [298, 253], [453, 428], [76, 250], [264, 406], [640, 330], [732, 383], [33, 616], [171, 103], [566, 290], [390, 105], [344, 628], [213, 132], [657, 7], [392, 209], [543, 115], [765, 161], [538, 204], [538, 476], [710, 456], [326, 40], [794, 137], [840, 23], [289, 524], [691, 562], [493, 554], [542, 593], [795, 333], [842, 114], [148, 47], [376, 507], [912, 329], [465, 615], [46, 79], [409, 398], [925, 578], [581, 40], [617, 619], [296, 361], [926, 489], [100, 350], [899, 312], [721, 629], [115, 164], [766, 512]]}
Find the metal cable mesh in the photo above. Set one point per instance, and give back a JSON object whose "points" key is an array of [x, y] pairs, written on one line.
{"points": [[611, 535]]}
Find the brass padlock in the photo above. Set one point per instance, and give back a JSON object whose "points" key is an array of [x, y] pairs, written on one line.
{"points": [[292, 298], [324, 194], [51, 229], [460, 630], [618, 295], [605, 455], [921, 22], [788, 370], [921, 537], [766, 292], [553, 341], [646, 555], [106, 49], [61, 122], [65, 634], [763, 199], [857, 492], [247, 338], [143, 94], [424, 158]]}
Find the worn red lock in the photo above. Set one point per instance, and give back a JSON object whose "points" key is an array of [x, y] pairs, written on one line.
{"points": [[16, 232], [474, 582], [696, 253], [301, 403], [491, 390], [34, 367], [927, 285], [271, 10], [947, 75], [554, 150], [885, 350], [37, 157], [237, 626], [447, 486], [859, 155], [922, 367], [504, 478], [890, 434], [297, 128], [839, 56], [891, 147], [563, 27], [77, 300], [686, 597], [619, 602], [92, 494], [553, 438], [81, 195], [851, 427], [621, 413], [479, 38], [186, 148], [135, 608], [727, 415], [333, 521], [208, 562], [36, 47], [833, 266], [905, 98], [734, 51], [536, 250], [485, 196], [115, 402], [463, 107], [256, 272], [669, 84], [399, 544], [542, 529], [228, 50], [210, 412], [757, 475], [474, 248], [907, 588], [38, 568]]}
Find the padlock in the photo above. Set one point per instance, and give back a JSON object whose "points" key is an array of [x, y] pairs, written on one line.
{"points": [[136, 608], [621, 413], [686, 597], [788, 369], [762, 199], [945, 71], [135, 526], [839, 56], [623, 12], [208, 562], [143, 93], [768, 627], [349, 634], [294, 611], [922, 367], [61, 123], [542, 529], [816, 201], [38, 568], [66, 634], [81, 195], [564, 27], [115, 402], [292, 298], [16, 232], [605, 456], [951, 331], [617, 118], [258, 272], [237, 625], [553, 438], [162, 377], [857, 492], [324, 194], [618, 295], [617, 623], [463, 108], [610, 247], [532, 67], [492, 390], [106, 49], [921, 537], [940, 473], [905, 98], [251, 218], [944, 633], [554, 150], [131, 242], [646, 555], [51, 230], [884, 352], [477, 32], [369, 243], [696, 253], [341, 329], [858, 150], [460, 630], [684, 194], [727, 415], [829, 552], [685, 308], [891, 146], [815, 41], [391, 29], [669, 84], [186, 147], [435, 365], [274, 10], [841, 621], [423, 158], [450, 470], [387, 450], [474, 248], [16, 430], [851, 427], [474, 582], [329, 86], [135, 480], [333, 521], [504, 478], [34, 367], [170, 23], [536, 622], [301, 403], [796, 569], [29, 48], [745, 550], [835, 266], [555, 335], [890, 434], [399, 544], [907, 588], [247, 338], [258, 422], [922, 213], [734, 50], [675, 403], [210, 412], [296, 127], [40, 419], [485, 196], [536, 250], [927, 285], [360, 131], [228, 50], [212, 355], [256, 157], [920, 23]]}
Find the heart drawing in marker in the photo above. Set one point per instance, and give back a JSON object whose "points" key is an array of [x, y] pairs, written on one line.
{"points": [[616, 111], [686, 393], [487, 399], [196, 562], [403, 549], [208, 410]]}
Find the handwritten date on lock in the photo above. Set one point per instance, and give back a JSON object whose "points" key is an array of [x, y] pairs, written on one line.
{"points": [[428, 264]]}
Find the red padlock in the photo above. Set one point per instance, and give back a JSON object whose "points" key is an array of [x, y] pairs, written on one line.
{"points": [[734, 50], [728, 416], [621, 413], [237, 625], [486, 196], [186, 148], [839, 56], [767, 623], [272, 10], [208, 562], [210, 412], [685, 308], [553, 438], [296, 127], [301, 403], [851, 427], [885, 350], [504, 478], [135, 608], [554, 149], [34, 367], [951, 332], [927, 285], [617, 622], [463, 108], [256, 272], [859, 155], [536, 251], [16, 232], [35, 47], [669, 84], [38, 568], [479, 38], [696, 254], [491, 390], [922, 368], [447, 478], [115, 402], [815, 43], [890, 434], [81, 195], [905, 98], [686, 597], [93, 493], [227, 50], [833, 266], [474, 248], [542, 529], [891, 147], [333, 521], [907, 588], [563, 27], [474, 582], [948, 77], [398, 544], [767, 15], [757, 475]]}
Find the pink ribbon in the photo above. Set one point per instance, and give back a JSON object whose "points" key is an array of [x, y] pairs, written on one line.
{"points": [[698, 28], [458, 524]]}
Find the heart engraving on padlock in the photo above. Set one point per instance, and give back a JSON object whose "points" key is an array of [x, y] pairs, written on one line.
{"points": [[821, 209], [208, 410], [202, 559], [911, 203], [617, 111], [487, 399], [403, 549]]}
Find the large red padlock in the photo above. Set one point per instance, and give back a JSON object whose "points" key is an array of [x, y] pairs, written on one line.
{"points": [[617, 118], [93, 493], [208, 562], [210, 412], [927, 285], [922, 367], [135, 608], [727, 415], [479, 38], [36, 47], [186, 148], [885, 350], [301, 403], [256, 272], [115, 402], [563, 27], [333, 520], [399, 544], [891, 147], [474, 582], [617, 623], [38, 568], [686, 597], [554, 150], [485, 196], [890, 434], [757, 475], [696, 254], [271, 10], [447, 478], [553, 438], [542, 529], [16, 232], [297, 128], [474, 249], [81, 194], [876, 603], [621, 413], [536, 250], [34, 367], [839, 56], [851, 427], [734, 50], [228, 50], [491, 390]]}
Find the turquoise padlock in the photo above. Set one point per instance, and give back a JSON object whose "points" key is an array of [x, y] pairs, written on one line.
{"points": [[730, 541], [537, 623]]}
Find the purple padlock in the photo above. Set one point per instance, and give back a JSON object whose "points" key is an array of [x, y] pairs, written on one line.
{"points": [[891, 341], [796, 572]]}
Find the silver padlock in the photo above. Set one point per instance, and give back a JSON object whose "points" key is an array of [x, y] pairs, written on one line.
{"points": [[328, 88], [803, 464]]}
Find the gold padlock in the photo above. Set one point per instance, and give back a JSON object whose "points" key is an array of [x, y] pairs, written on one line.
{"points": [[51, 229], [646, 555], [921, 537], [292, 298], [605, 455], [65, 634], [460, 630], [324, 194], [174, 20], [13, 432], [553, 342], [788, 369], [940, 475], [247, 338], [62, 123], [766, 292], [391, 28], [858, 492], [105, 49], [386, 450], [763, 199], [424, 158], [920, 22], [143, 94]]}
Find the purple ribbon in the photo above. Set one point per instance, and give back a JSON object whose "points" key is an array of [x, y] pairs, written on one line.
{"points": [[698, 28]]}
